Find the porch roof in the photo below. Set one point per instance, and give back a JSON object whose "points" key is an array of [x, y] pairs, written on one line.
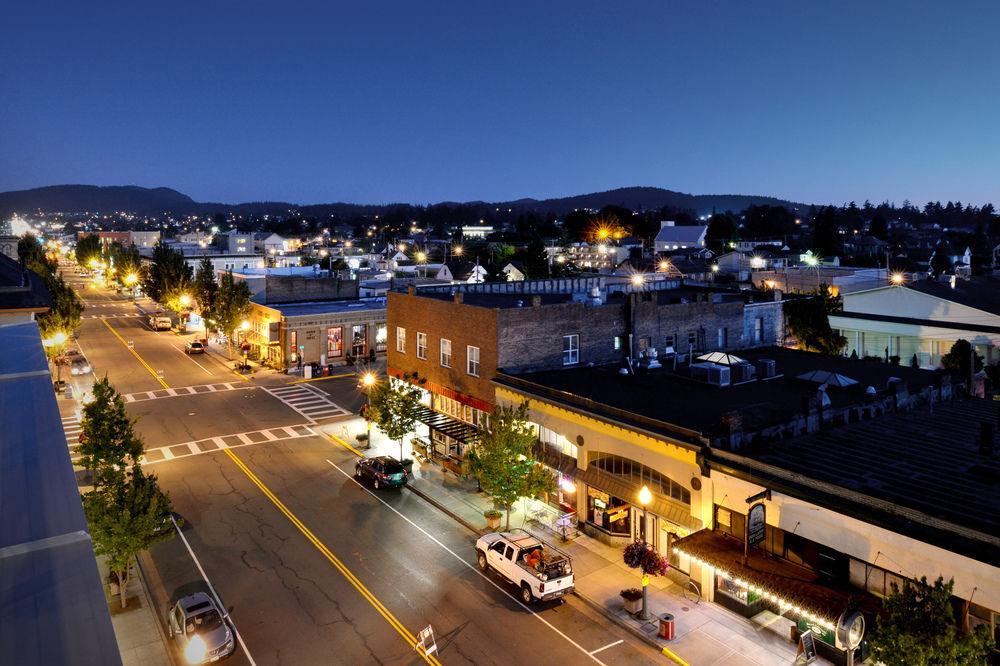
{"points": [[454, 428]]}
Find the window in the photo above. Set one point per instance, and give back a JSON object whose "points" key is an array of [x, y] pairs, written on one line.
{"points": [[421, 345], [723, 337], [445, 353], [472, 360], [693, 339], [335, 342], [381, 336], [618, 343], [359, 340], [639, 474], [668, 342], [571, 349], [401, 339], [293, 345], [758, 330]]}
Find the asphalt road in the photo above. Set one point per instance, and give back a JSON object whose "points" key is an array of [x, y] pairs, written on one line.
{"points": [[317, 568]]}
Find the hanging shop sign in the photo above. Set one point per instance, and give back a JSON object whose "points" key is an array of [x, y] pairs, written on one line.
{"points": [[756, 524]]}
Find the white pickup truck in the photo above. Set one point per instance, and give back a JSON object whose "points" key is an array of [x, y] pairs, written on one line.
{"points": [[540, 570]]}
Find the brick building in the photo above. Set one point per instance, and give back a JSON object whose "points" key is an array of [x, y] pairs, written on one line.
{"points": [[457, 338]]}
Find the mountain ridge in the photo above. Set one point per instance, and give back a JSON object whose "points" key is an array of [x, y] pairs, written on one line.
{"points": [[151, 201]]}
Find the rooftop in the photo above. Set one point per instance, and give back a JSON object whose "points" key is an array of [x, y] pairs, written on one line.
{"points": [[325, 307], [667, 400], [21, 289], [682, 234], [982, 292], [928, 461], [50, 587]]}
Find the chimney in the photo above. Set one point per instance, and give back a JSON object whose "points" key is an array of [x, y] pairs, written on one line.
{"points": [[666, 223], [986, 438], [458, 297]]}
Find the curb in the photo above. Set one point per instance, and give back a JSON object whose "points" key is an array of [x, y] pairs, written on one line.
{"points": [[648, 640], [152, 611], [443, 509]]}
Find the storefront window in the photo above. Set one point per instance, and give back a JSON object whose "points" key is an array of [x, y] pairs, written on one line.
{"points": [[359, 340], [335, 342], [293, 346], [731, 589], [609, 513], [381, 337], [640, 475]]}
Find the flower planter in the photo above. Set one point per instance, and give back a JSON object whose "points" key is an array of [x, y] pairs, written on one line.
{"points": [[493, 519], [633, 606]]}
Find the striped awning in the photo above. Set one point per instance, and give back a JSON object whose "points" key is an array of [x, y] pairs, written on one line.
{"points": [[454, 428]]}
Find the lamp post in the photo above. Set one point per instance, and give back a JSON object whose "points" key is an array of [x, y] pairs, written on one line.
{"points": [[368, 380], [130, 281], [645, 497]]}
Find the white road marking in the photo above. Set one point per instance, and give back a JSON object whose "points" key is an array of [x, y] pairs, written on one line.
{"points": [[609, 645], [206, 370], [307, 401], [218, 601], [276, 434], [181, 391], [474, 569]]}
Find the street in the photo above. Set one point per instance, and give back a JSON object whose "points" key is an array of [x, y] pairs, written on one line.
{"points": [[316, 567]]}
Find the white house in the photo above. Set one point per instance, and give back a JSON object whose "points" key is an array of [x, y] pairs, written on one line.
{"points": [[672, 237], [462, 271], [514, 270], [923, 318]]}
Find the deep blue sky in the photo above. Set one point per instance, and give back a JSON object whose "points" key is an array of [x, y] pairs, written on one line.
{"points": [[427, 101]]}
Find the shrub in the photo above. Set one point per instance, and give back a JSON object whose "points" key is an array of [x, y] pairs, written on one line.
{"points": [[631, 594], [492, 514]]}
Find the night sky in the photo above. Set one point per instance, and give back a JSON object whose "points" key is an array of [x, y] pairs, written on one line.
{"points": [[822, 102]]}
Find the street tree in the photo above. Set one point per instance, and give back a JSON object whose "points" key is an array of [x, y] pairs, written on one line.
{"points": [[126, 261], [64, 315], [88, 248], [231, 306], [126, 516], [918, 628], [168, 277], [504, 461], [808, 319], [962, 359], [108, 442], [205, 288], [393, 407]]}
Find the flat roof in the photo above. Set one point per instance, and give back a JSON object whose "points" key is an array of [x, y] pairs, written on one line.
{"points": [[51, 596], [663, 296], [325, 307], [673, 398]]}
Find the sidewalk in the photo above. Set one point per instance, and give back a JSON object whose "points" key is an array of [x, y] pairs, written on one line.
{"points": [[706, 633]]}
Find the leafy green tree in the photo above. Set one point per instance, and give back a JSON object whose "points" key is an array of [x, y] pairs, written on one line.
{"points": [[940, 263], [808, 319], [126, 516], [108, 442], [962, 359], [504, 461], [393, 407], [536, 259], [168, 277], [919, 628], [126, 261], [232, 304], [87, 248], [31, 252], [206, 288], [64, 315], [721, 230]]}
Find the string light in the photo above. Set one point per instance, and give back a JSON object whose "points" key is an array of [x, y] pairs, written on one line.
{"points": [[756, 589]]}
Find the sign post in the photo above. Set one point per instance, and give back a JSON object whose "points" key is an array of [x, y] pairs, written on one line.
{"points": [[426, 642]]}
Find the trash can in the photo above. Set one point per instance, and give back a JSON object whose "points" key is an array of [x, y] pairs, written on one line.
{"points": [[667, 626]]}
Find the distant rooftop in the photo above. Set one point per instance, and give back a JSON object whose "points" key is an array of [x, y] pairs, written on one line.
{"points": [[51, 594], [21, 289], [981, 292]]}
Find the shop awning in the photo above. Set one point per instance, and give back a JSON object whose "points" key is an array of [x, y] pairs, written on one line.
{"points": [[675, 512], [454, 428], [779, 581]]}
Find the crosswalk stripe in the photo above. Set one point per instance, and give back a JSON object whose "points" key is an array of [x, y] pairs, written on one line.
{"points": [[167, 453], [181, 391], [309, 402]]}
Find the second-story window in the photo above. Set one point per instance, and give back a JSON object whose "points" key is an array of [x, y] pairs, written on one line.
{"points": [[571, 349], [421, 345], [445, 353], [472, 360], [401, 339]]}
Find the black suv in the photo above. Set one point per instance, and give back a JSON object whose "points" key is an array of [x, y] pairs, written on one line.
{"points": [[382, 471]]}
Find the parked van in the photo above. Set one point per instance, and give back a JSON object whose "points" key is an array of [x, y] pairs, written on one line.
{"points": [[160, 323]]}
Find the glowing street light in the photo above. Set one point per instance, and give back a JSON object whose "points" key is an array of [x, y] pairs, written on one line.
{"points": [[57, 338], [245, 325], [421, 257], [184, 300], [368, 380], [645, 497], [664, 264], [638, 280], [897, 279], [457, 250]]}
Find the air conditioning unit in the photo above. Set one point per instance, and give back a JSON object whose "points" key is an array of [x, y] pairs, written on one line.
{"points": [[710, 373], [741, 372], [765, 368]]}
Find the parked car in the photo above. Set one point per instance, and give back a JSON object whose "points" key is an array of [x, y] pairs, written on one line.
{"points": [[77, 362], [201, 629], [194, 347], [539, 570], [160, 323], [382, 471]]}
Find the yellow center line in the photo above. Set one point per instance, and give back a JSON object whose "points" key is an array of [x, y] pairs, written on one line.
{"points": [[410, 639], [136, 354]]}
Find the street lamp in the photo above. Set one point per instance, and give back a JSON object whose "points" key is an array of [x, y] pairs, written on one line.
{"points": [[130, 281], [645, 497], [184, 300], [638, 280], [897, 279], [368, 380]]}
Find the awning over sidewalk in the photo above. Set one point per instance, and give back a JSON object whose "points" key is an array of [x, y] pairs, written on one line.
{"points": [[454, 428], [777, 580]]}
